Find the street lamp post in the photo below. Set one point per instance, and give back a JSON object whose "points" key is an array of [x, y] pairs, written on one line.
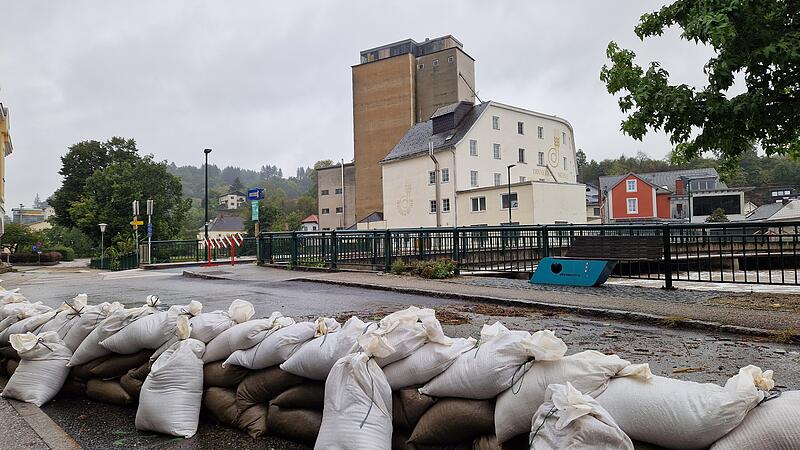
{"points": [[102, 242], [206, 151], [509, 191]]}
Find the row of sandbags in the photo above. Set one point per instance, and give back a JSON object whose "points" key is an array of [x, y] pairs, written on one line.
{"points": [[511, 375]]}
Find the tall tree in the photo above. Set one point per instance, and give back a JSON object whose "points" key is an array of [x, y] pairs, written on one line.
{"points": [[757, 39]]}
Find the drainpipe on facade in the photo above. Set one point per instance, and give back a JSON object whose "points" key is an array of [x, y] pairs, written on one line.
{"points": [[454, 176], [436, 184], [342, 218]]}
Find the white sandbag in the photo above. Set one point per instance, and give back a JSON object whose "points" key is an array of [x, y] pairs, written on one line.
{"points": [[243, 336], [315, 358], [401, 333], [67, 313], [42, 369], [679, 414], [91, 318], [170, 399], [358, 406], [774, 424], [588, 371], [426, 363], [27, 325], [90, 348], [207, 326], [149, 332], [10, 296], [280, 344], [569, 420], [21, 310], [495, 364]]}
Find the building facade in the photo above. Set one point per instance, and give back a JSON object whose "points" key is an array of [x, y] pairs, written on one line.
{"points": [[464, 179], [310, 223], [394, 87], [30, 216], [232, 200], [336, 194], [594, 214], [6, 147]]}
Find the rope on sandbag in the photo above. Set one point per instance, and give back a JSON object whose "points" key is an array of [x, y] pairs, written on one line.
{"points": [[533, 436]]}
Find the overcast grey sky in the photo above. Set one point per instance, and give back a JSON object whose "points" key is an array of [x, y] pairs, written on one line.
{"points": [[265, 83]]}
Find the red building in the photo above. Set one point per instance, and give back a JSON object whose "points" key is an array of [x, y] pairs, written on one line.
{"points": [[633, 198]]}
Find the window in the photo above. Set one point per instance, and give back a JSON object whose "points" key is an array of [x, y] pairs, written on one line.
{"points": [[564, 138], [504, 200], [523, 179], [433, 206], [633, 205], [705, 205], [326, 210], [540, 132], [541, 158], [449, 60], [435, 62], [597, 212], [432, 177], [445, 175], [420, 66], [631, 186], [478, 204], [521, 155], [324, 192], [338, 191], [498, 179], [473, 177], [495, 123], [496, 151], [473, 147], [339, 210], [445, 205], [565, 162], [520, 128]]}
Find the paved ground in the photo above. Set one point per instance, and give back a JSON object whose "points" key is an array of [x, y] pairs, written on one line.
{"points": [[691, 355]]}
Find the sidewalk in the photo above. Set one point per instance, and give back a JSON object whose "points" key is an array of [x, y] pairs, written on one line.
{"points": [[776, 315], [25, 426]]}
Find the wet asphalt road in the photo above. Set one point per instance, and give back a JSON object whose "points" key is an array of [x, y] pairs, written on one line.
{"points": [[694, 355]]}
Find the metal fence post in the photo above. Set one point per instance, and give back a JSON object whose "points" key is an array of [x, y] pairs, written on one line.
{"points": [[456, 251], [196, 251], [270, 251], [545, 242], [334, 250], [387, 251], [293, 261], [667, 257]]}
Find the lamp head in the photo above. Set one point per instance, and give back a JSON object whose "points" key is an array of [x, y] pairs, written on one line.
{"points": [[207, 151], [103, 227]]}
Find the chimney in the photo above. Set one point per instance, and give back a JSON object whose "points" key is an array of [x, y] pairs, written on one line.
{"points": [[679, 187]]}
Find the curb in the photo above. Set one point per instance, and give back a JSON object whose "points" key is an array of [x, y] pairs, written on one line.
{"points": [[653, 319], [226, 262], [203, 276], [48, 431]]}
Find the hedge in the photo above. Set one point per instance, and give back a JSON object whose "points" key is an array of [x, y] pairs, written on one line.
{"points": [[34, 258], [67, 253]]}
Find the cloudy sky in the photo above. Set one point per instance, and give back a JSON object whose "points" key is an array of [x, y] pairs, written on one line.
{"points": [[265, 83]]}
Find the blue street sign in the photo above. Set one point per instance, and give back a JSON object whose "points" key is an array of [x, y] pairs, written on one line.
{"points": [[33, 248], [150, 230], [255, 194]]}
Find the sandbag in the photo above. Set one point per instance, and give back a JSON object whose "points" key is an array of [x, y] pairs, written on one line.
{"points": [[91, 317], [315, 358], [401, 333], [170, 399], [279, 345], [358, 406], [243, 336], [42, 369], [488, 442], [207, 326], [10, 296], [588, 371], [263, 385], [27, 325], [569, 420], [774, 424], [679, 414], [8, 352], [11, 367], [90, 348], [118, 365], [151, 331], [131, 385], [73, 388], [309, 395], [82, 372], [68, 312], [141, 372], [253, 420], [495, 364], [408, 405], [427, 362], [214, 375], [298, 425], [108, 391], [454, 420], [221, 403]]}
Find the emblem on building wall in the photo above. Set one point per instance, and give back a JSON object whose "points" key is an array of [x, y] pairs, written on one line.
{"points": [[553, 153], [405, 202]]}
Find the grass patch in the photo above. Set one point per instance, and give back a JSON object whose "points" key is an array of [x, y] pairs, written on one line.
{"points": [[787, 336], [673, 321]]}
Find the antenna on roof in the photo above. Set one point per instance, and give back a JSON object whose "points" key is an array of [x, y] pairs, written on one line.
{"points": [[470, 87]]}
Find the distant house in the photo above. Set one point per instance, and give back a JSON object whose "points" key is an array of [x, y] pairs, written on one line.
{"points": [[33, 218], [593, 213], [310, 223], [223, 225], [232, 200], [787, 210]]}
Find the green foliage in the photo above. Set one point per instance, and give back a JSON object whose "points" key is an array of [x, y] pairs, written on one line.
{"points": [[398, 267], [73, 238], [757, 39], [18, 238], [34, 258], [436, 269], [67, 253], [717, 216]]}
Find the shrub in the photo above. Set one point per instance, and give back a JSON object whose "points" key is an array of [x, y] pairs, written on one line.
{"points": [[33, 258], [67, 253], [398, 267], [438, 269]]}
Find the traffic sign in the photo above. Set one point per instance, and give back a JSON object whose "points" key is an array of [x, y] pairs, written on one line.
{"points": [[137, 223], [254, 210], [150, 230], [255, 194]]}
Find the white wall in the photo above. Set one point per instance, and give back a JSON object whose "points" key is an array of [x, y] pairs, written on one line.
{"points": [[407, 193], [554, 202]]}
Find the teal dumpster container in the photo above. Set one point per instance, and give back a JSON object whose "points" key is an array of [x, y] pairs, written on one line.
{"points": [[572, 272]]}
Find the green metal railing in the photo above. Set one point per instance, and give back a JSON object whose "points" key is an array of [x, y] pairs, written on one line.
{"points": [[120, 262], [192, 250]]}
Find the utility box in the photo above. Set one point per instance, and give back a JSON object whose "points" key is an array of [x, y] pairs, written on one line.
{"points": [[572, 272]]}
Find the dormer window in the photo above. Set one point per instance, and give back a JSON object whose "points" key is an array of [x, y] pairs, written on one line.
{"points": [[631, 186]]}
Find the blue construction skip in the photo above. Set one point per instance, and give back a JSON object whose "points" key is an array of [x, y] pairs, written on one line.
{"points": [[572, 272]]}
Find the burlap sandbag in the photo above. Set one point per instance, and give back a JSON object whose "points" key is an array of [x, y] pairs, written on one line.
{"points": [[486, 443], [141, 372], [131, 385], [214, 375], [261, 386], [408, 405], [399, 439], [309, 395], [83, 371], [221, 403], [9, 352], [73, 388], [11, 367], [107, 391], [3, 362], [454, 421], [298, 425], [253, 420], [118, 365]]}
